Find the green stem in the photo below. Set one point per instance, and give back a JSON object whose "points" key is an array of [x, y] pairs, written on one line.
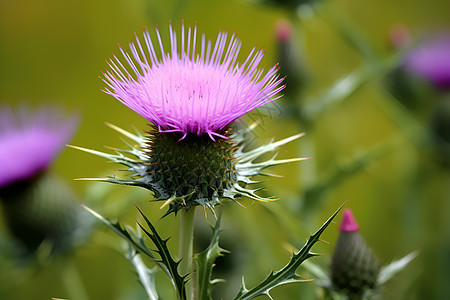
{"points": [[186, 246], [72, 281]]}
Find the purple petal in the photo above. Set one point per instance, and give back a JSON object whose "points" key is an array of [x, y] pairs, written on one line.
{"points": [[189, 91]]}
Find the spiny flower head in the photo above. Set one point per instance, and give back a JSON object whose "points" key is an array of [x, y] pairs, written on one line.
{"points": [[191, 89], [196, 170], [29, 141]]}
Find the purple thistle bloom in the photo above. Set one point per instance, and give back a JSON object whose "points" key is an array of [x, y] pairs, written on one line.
{"points": [[431, 60], [29, 141], [187, 91]]}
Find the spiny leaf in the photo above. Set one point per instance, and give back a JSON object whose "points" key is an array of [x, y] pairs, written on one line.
{"points": [[166, 257], [255, 153], [132, 238], [288, 273], [146, 275], [205, 263], [138, 138], [387, 272]]}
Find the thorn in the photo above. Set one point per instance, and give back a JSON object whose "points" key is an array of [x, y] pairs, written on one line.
{"points": [[326, 242], [168, 201], [88, 179], [239, 203]]}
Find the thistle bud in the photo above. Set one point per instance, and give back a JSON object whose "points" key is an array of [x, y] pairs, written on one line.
{"points": [[354, 268], [290, 59]]}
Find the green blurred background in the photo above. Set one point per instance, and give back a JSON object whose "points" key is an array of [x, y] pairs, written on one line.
{"points": [[53, 52]]}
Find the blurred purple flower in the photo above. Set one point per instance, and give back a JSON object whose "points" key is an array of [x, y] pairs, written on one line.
{"points": [[431, 60], [29, 141], [189, 91]]}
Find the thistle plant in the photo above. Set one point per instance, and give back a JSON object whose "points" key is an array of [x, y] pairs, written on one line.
{"points": [[196, 152]]}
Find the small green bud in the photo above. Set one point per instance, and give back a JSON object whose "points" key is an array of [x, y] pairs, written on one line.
{"points": [[354, 267]]}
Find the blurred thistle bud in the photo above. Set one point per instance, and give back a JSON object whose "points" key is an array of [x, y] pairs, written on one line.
{"points": [[404, 83], [354, 268], [290, 59], [400, 36], [37, 206]]}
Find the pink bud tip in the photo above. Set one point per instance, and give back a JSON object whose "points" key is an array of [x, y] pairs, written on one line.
{"points": [[348, 223], [283, 31], [400, 36]]}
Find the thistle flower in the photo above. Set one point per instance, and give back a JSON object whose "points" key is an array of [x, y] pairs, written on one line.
{"points": [[192, 93], [193, 153], [354, 268], [430, 60], [30, 141], [37, 206]]}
